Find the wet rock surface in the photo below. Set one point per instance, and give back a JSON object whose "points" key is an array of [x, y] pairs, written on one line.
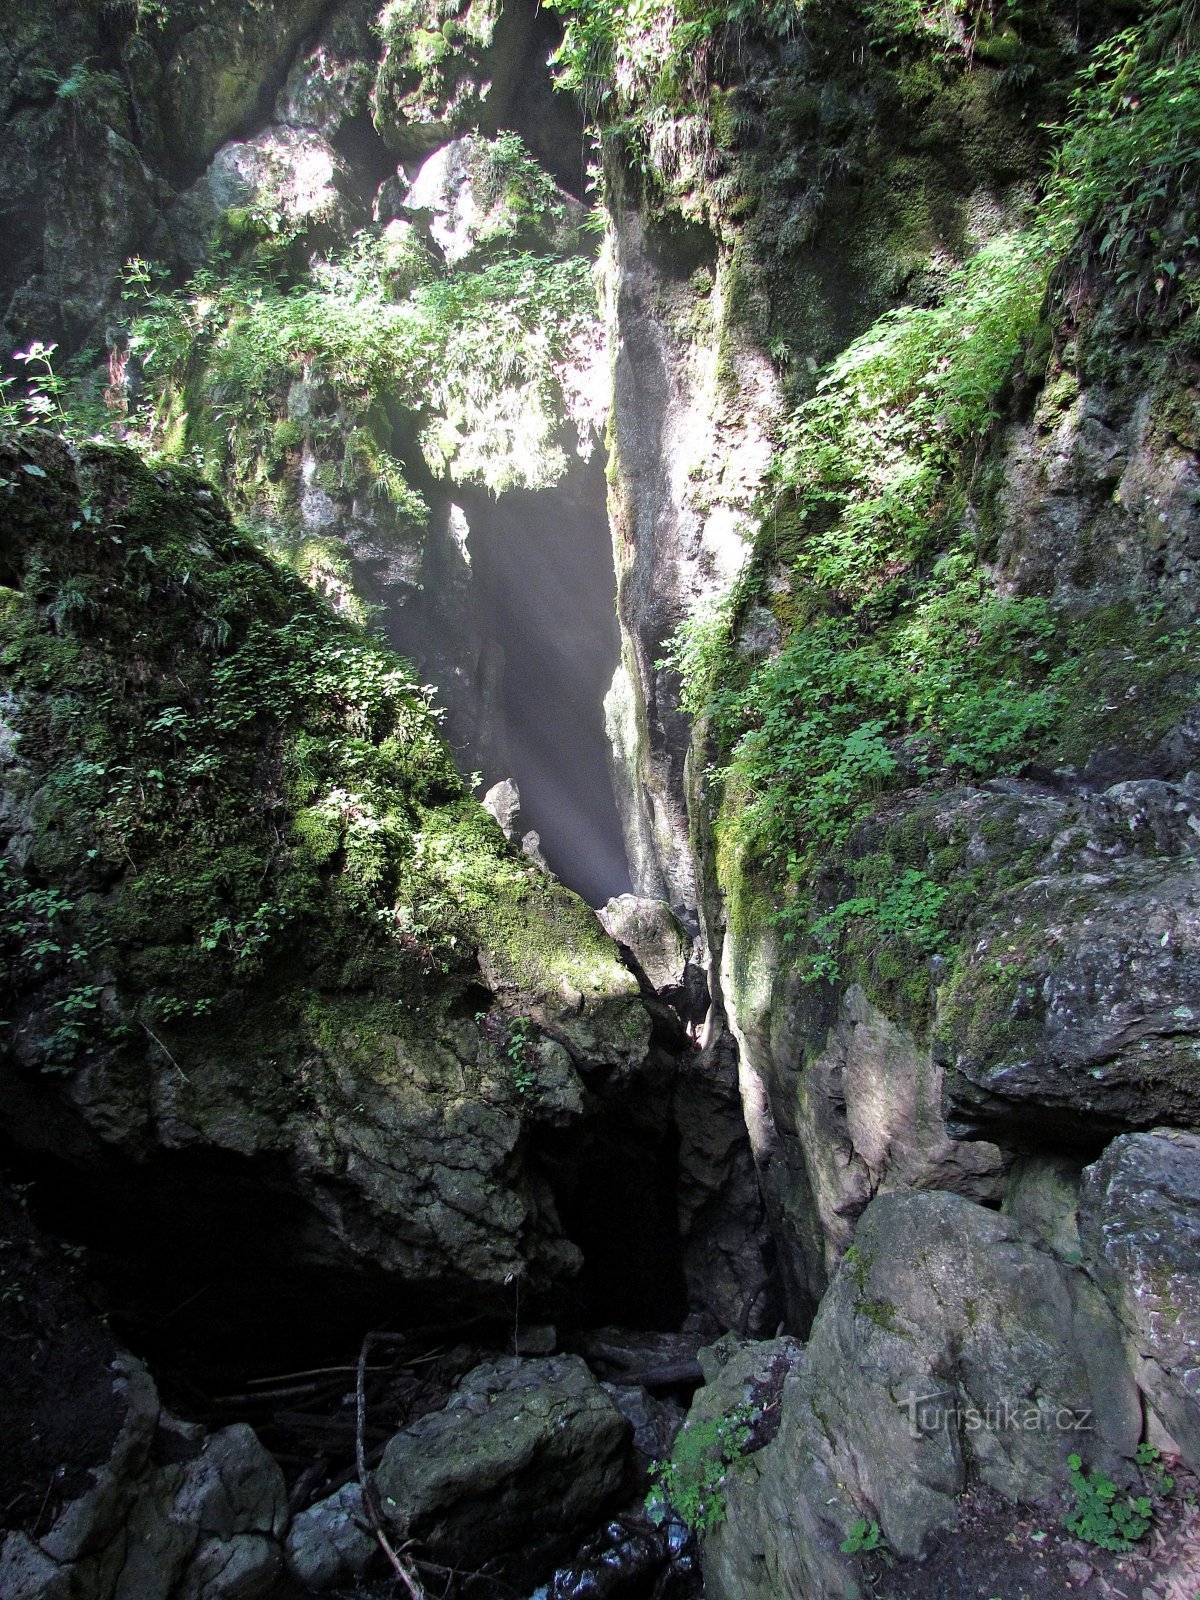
{"points": [[524, 1456]]}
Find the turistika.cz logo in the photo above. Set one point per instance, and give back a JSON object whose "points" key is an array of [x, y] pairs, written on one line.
{"points": [[942, 1409]]}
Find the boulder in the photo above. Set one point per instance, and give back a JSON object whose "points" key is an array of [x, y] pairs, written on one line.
{"points": [[330, 1542], [525, 1455], [652, 934], [523, 1449], [171, 1512], [1140, 1222], [531, 847], [503, 801], [1078, 1001]]}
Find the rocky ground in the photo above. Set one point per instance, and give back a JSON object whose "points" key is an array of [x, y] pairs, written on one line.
{"points": [[994, 1553]]}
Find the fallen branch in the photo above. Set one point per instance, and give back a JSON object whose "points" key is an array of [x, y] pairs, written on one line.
{"points": [[312, 1372], [370, 1495], [664, 1377]]}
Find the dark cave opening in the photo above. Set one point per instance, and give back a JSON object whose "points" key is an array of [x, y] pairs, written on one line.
{"points": [[213, 1267]]}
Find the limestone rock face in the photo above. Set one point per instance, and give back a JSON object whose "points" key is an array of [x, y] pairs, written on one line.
{"points": [[728, 1252], [1043, 1195], [680, 523], [1067, 1015], [1140, 1222], [330, 83], [948, 1335], [842, 1104], [78, 190], [1093, 495], [401, 1131], [436, 70], [1092, 1022], [219, 59]]}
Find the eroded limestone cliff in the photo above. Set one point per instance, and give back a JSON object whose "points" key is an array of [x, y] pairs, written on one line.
{"points": [[893, 1051]]}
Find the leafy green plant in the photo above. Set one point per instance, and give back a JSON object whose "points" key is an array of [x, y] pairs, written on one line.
{"points": [[1101, 1514], [483, 355], [692, 1480], [42, 399], [1151, 1462], [899, 661], [518, 1051], [863, 1538]]}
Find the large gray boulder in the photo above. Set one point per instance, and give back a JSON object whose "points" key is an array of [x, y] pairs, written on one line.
{"points": [[1090, 1019], [525, 1453], [653, 934], [522, 1448], [950, 1348], [1140, 1221]]}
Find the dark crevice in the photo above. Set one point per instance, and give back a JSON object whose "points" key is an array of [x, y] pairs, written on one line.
{"points": [[616, 1189]]}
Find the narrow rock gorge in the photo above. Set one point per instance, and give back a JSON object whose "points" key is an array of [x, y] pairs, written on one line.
{"points": [[600, 790]]}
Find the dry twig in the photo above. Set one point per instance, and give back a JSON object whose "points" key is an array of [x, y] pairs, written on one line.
{"points": [[370, 1495]]}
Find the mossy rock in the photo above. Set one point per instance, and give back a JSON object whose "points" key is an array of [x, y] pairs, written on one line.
{"points": [[247, 901]]}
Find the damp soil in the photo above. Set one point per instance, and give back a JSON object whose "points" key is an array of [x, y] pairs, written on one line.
{"points": [[1002, 1552]]}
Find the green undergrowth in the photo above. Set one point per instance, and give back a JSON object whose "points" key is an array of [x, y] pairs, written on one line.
{"points": [[222, 797], [632, 56], [470, 363], [326, 378], [691, 1481], [900, 663]]}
